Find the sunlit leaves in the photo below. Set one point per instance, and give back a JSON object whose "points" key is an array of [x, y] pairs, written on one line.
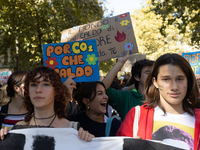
{"points": [[172, 11], [38, 22], [149, 39]]}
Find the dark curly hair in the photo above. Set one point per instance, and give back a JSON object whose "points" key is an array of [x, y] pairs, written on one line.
{"points": [[49, 75], [16, 78]]}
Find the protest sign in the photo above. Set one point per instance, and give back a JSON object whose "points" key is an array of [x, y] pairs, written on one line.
{"points": [[113, 35], [67, 138], [194, 59], [78, 58], [4, 76]]}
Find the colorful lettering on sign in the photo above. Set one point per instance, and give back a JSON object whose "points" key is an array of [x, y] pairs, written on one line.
{"points": [[64, 73], [73, 59], [192, 58], [194, 68], [76, 48]]}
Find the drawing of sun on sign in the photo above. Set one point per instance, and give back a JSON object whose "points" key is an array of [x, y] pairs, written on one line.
{"points": [[78, 58]]}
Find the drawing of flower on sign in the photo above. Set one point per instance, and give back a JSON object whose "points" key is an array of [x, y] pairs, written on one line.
{"points": [[120, 36], [91, 59], [65, 36], [75, 27], [123, 15], [128, 46], [51, 62], [124, 22], [105, 26]]}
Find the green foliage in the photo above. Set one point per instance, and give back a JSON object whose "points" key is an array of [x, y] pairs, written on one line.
{"points": [[150, 41], [185, 14], [107, 65], [32, 23]]}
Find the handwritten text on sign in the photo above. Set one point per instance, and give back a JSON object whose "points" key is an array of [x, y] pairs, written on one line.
{"points": [[113, 36], [194, 59], [78, 59]]}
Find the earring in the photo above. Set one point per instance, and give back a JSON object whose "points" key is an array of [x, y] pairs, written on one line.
{"points": [[188, 100], [87, 107]]}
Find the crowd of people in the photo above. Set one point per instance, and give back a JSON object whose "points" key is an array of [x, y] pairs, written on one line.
{"points": [[159, 102]]}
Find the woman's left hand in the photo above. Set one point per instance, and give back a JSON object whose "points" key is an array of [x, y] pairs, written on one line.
{"points": [[85, 135]]}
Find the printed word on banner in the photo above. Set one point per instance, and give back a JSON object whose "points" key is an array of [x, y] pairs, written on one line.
{"points": [[78, 58], [194, 59], [113, 35]]}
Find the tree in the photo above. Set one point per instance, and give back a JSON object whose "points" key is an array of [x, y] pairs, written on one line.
{"points": [[28, 24], [150, 41], [185, 14]]}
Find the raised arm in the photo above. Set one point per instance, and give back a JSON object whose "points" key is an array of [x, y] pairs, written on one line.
{"points": [[113, 72], [69, 84]]}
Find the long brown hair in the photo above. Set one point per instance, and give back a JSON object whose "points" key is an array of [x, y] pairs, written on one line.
{"points": [[16, 78], [49, 75], [152, 94]]}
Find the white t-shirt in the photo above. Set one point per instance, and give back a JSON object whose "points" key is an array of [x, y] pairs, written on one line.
{"points": [[172, 129]]}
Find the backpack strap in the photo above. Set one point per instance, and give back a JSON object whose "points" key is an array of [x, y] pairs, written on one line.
{"points": [[3, 113], [136, 120], [108, 126]]}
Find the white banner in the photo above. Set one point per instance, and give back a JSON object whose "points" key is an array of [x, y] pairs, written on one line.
{"points": [[67, 139]]}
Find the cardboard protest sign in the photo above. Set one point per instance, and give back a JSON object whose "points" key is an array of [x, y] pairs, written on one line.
{"points": [[4, 76], [113, 35], [67, 138], [77, 58], [194, 59], [132, 59]]}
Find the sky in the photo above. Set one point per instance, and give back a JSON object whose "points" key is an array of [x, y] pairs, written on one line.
{"points": [[123, 6]]}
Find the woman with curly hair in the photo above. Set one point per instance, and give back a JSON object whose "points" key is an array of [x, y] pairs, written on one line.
{"points": [[44, 98]]}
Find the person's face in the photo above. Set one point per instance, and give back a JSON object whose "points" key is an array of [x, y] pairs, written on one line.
{"points": [[21, 90], [172, 85], [41, 93], [144, 73], [98, 105]]}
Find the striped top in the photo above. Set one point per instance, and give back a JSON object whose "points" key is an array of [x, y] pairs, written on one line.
{"points": [[11, 119]]}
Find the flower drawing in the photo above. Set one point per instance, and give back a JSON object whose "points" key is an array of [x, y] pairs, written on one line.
{"points": [[105, 26], [120, 36], [65, 36], [51, 62], [123, 15], [124, 22], [128, 46], [91, 59], [75, 27]]}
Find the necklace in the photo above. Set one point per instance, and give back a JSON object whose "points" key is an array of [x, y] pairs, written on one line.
{"points": [[46, 118]]}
